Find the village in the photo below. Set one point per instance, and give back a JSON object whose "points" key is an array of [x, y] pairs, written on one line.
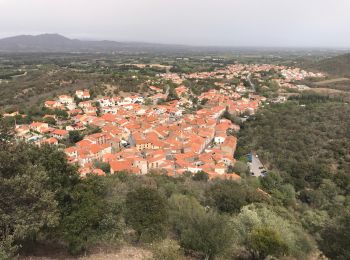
{"points": [[145, 133], [174, 130]]}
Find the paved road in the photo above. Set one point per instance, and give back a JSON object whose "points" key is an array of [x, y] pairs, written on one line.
{"points": [[167, 91], [250, 82], [256, 166]]}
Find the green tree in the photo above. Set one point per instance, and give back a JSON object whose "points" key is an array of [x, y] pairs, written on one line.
{"points": [[335, 237], [240, 168], [314, 221], [199, 229], [27, 204], [62, 177], [6, 133], [285, 194], [230, 196], [271, 181], [234, 119], [146, 213], [200, 176], [167, 250], [280, 221], [50, 121], [265, 242], [61, 113], [75, 136], [92, 217], [102, 165], [207, 233]]}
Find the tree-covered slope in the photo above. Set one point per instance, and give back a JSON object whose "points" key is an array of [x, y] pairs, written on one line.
{"points": [[335, 66], [305, 144]]}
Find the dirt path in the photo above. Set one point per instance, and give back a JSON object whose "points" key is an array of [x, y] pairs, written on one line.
{"points": [[331, 81], [125, 253]]}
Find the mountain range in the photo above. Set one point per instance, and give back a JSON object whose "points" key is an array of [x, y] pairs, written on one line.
{"points": [[56, 43], [59, 43]]}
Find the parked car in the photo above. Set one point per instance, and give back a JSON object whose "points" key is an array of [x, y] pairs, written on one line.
{"points": [[250, 157]]}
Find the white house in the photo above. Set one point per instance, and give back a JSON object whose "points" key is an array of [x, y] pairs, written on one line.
{"points": [[64, 99], [219, 139]]}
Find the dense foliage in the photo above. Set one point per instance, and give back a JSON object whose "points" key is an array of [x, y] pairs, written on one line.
{"points": [[305, 145], [338, 65], [300, 209], [44, 201], [146, 213]]}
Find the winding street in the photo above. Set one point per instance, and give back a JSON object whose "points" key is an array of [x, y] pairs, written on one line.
{"points": [[250, 82]]}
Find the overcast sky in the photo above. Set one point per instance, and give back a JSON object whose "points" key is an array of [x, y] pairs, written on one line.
{"points": [[303, 23]]}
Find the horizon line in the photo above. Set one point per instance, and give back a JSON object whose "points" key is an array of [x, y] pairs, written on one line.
{"points": [[87, 39]]}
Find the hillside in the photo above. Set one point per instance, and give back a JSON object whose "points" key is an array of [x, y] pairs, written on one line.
{"points": [[306, 150], [59, 43], [305, 144], [335, 66]]}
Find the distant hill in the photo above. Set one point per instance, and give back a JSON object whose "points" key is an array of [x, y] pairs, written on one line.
{"points": [[59, 43], [335, 66]]}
